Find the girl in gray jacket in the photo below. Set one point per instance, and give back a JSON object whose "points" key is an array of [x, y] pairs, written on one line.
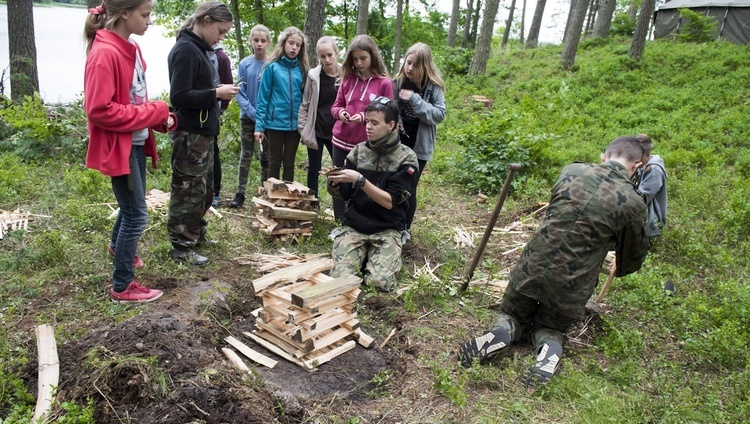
{"points": [[420, 93]]}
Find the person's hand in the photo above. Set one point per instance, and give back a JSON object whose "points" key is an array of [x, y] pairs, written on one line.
{"points": [[356, 119], [344, 116], [405, 94], [226, 91], [343, 176], [258, 136], [170, 122]]}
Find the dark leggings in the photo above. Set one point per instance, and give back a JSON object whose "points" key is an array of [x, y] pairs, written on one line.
{"points": [[217, 168], [314, 160], [339, 206], [283, 146], [413, 198]]}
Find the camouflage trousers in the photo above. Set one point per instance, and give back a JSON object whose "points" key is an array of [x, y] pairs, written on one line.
{"points": [[377, 257], [521, 315], [192, 187], [247, 137]]}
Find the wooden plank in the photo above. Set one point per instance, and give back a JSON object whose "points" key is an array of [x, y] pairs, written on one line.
{"points": [[294, 186], [296, 214], [362, 338], [323, 306], [352, 324], [277, 350], [292, 273], [333, 353], [260, 202], [49, 370], [282, 341], [235, 360], [285, 231], [324, 324], [251, 354], [327, 339], [321, 291]]}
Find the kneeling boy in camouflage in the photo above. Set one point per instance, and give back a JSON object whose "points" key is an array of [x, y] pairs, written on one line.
{"points": [[378, 178]]}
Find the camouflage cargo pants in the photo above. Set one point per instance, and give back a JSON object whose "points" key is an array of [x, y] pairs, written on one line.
{"points": [[377, 257], [247, 131], [520, 314], [192, 187]]}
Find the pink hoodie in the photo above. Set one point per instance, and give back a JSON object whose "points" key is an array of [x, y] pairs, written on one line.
{"points": [[354, 95]]}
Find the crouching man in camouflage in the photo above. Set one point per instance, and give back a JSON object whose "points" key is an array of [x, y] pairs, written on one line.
{"points": [[593, 209], [378, 178]]}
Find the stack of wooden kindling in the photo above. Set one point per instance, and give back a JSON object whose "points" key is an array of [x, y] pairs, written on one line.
{"points": [[308, 317], [15, 220], [285, 209]]}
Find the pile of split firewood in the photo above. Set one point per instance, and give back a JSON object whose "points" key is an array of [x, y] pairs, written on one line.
{"points": [[307, 317], [285, 209]]}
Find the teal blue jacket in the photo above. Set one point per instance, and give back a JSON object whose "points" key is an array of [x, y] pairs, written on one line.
{"points": [[279, 96]]}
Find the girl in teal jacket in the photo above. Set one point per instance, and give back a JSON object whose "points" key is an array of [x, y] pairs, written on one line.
{"points": [[279, 99]]}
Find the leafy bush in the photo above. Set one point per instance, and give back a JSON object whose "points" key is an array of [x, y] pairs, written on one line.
{"points": [[454, 61], [696, 28], [622, 25]]}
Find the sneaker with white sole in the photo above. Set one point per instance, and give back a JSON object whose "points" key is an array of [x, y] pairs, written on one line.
{"points": [[190, 256], [547, 364], [135, 293], [484, 347], [216, 202], [137, 262]]}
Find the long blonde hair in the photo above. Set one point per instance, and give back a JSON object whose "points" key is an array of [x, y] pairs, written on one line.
{"points": [[425, 70], [278, 51], [365, 43], [105, 16]]}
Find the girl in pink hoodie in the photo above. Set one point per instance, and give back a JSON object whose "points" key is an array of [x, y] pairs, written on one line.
{"points": [[364, 78]]}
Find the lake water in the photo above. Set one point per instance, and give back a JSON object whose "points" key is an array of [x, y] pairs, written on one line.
{"points": [[61, 53]]}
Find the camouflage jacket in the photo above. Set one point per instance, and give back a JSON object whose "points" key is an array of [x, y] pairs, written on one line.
{"points": [[593, 209], [390, 166]]}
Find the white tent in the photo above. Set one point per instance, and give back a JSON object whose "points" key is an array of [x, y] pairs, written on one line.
{"points": [[732, 18]]}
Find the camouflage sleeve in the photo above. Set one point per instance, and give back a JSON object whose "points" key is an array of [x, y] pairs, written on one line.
{"points": [[632, 246]]}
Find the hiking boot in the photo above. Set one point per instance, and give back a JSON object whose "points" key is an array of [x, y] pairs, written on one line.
{"points": [[216, 202], [135, 293], [484, 347], [137, 262], [547, 364], [189, 256], [205, 241], [238, 201]]}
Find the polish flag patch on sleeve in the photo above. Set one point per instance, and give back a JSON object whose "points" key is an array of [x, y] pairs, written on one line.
{"points": [[410, 170]]}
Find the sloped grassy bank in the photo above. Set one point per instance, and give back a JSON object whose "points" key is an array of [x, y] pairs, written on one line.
{"points": [[651, 358]]}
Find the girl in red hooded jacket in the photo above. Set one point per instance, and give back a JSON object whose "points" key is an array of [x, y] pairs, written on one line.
{"points": [[120, 123]]}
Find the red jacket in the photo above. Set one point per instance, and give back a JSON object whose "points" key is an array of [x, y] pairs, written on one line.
{"points": [[112, 118]]}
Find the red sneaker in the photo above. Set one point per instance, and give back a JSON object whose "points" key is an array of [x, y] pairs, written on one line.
{"points": [[135, 293], [137, 262]]}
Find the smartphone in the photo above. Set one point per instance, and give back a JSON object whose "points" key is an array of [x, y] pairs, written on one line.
{"points": [[240, 81]]}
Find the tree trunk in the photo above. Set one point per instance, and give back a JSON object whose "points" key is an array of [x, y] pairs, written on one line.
{"points": [[604, 20], [641, 30], [314, 20], [571, 14], [633, 8], [235, 5], [475, 24], [523, 22], [484, 42], [362, 12], [508, 23], [467, 24], [260, 18], [453, 27], [24, 79], [397, 37], [593, 8], [536, 25], [574, 34]]}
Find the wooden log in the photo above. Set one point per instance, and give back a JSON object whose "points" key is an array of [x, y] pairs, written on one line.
{"points": [[292, 273], [328, 323], [362, 338], [277, 350], [235, 360], [285, 231], [331, 288], [251, 354], [288, 213], [333, 353], [49, 370]]}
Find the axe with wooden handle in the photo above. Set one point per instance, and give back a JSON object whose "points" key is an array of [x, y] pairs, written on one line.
{"points": [[513, 167]]}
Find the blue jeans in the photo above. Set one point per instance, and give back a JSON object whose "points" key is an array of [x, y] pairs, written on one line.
{"points": [[130, 191]]}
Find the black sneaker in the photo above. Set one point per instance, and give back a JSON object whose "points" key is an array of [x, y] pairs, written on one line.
{"points": [[189, 256], [238, 201], [547, 364], [484, 347]]}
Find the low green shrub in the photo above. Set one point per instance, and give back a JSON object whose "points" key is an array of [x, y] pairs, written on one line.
{"points": [[696, 28]]}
